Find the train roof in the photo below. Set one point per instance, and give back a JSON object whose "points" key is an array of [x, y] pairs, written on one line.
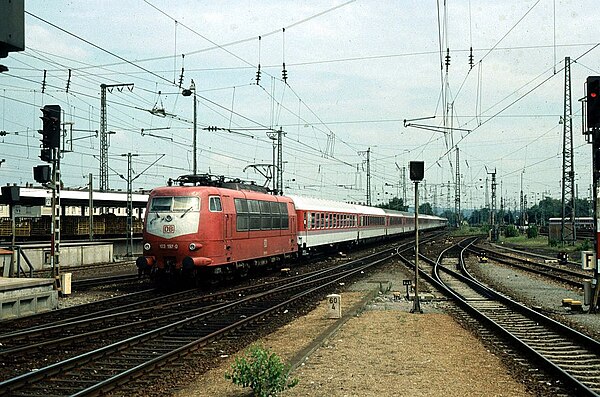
{"points": [[316, 204], [39, 196]]}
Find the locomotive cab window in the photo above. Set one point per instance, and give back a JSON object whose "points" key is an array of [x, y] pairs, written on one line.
{"points": [[175, 204], [214, 203], [161, 204], [185, 204]]}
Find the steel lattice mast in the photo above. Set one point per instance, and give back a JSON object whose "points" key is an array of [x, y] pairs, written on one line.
{"points": [[568, 171], [104, 133]]}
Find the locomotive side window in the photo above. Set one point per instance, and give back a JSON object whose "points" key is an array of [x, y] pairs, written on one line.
{"points": [[275, 216], [254, 209], [265, 216], [261, 215], [215, 204], [285, 221], [241, 207]]}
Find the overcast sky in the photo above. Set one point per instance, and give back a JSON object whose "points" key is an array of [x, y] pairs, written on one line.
{"points": [[355, 71]]}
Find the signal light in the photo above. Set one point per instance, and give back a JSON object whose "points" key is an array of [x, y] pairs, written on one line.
{"points": [[50, 126], [42, 174], [46, 155], [417, 170], [593, 102]]}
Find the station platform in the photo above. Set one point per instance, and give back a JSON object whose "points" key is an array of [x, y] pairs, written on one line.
{"points": [[25, 296]]}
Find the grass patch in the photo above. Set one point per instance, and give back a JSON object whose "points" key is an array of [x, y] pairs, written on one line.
{"points": [[542, 243], [467, 231]]}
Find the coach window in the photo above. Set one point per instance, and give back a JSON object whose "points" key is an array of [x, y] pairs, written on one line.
{"points": [[214, 204], [313, 220]]}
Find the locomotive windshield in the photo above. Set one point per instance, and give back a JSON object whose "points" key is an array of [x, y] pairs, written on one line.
{"points": [[175, 204]]}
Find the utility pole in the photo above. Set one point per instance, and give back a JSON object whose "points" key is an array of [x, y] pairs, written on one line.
{"points": [[368, 161], [104, 133], [435, 198], [403, 185], [494, 234], [522, 204], [457, 190], [129, 244], [192, 92], [567, 227], [91, 206], [277, 138], [448, 190], [129, 180]]}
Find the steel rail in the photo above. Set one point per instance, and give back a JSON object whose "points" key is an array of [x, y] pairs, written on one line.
{"points": [[185, 332], [574, 381]]}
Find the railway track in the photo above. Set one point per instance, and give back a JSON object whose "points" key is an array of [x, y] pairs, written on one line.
{"points": [[91, 282], [569, 357], [561, 273], [105, 368]]}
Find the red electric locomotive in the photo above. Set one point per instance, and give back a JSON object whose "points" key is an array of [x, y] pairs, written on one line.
{"points": [[201, 224]]}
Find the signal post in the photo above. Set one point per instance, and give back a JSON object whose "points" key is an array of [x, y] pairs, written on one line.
{"points": [[50, 153], [417, 171], [592, 133]]}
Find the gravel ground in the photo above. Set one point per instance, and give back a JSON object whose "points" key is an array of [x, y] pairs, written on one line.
{"points": [[381, 351], [104, 292]]}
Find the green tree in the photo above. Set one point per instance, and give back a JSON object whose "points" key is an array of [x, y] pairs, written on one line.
{"points": [[426, 209], [396, 204]]}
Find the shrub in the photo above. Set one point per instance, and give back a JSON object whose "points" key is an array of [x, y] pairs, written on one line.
{"points": [[585, 245], [511, 231], [262, 371], [553, 242], [532, 231]]}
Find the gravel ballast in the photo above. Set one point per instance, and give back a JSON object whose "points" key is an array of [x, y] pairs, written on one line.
{"points": [[382, 351]]}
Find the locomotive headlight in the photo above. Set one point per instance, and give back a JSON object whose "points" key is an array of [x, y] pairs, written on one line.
{"points": [[192, 247], [147, 246]]}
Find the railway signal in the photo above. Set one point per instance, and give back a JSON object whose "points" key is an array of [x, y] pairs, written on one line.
{"points": [[417, 172], [592, 133], [593, 102], [50, 131]]}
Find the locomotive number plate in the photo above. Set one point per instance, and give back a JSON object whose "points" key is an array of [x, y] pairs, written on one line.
{"points": [[169, 229]]}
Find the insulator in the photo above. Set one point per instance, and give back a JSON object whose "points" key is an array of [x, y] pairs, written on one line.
{"points": [[447, 58], [181, 78], [44, 82], [471, 58], [258, 75], [284, 74]]}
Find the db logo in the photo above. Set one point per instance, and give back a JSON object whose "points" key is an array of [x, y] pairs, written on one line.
{"points": [[168, 228]]}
